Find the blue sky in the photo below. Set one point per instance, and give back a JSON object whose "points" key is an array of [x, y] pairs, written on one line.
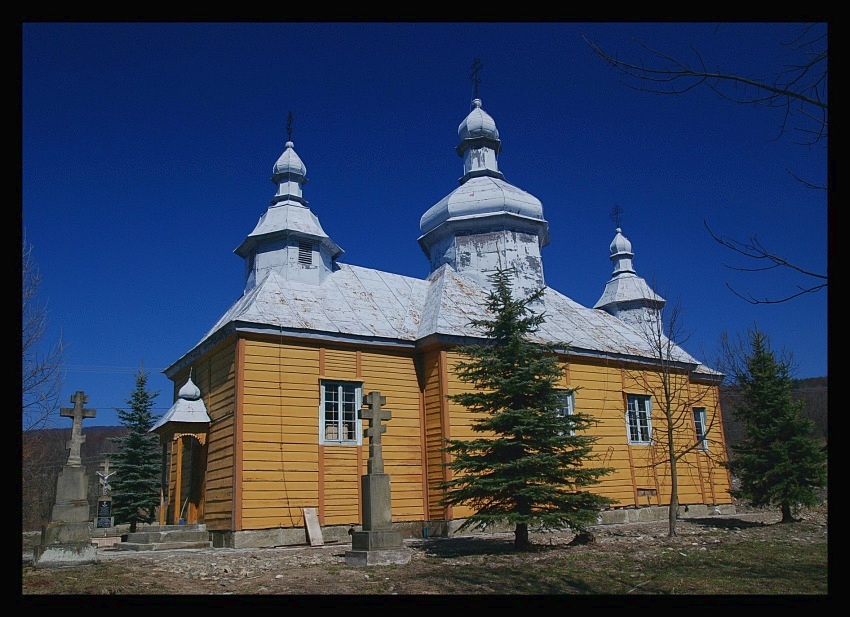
{"points": [[147, 152]]}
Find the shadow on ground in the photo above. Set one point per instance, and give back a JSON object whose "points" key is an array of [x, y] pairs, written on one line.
{"points": [[728, 523]]}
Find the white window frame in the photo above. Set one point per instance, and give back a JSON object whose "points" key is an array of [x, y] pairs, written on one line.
{"points": [[333, 431], [699, 427], [639, 419], [568, 404]]}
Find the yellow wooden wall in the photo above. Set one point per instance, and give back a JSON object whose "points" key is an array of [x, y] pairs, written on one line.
{"points": [[284, 469], [436, 428], [640, 478], [265, 463], [215, 376]]}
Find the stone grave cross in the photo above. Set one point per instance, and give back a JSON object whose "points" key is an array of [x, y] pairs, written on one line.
{"points": [[375, 414], [77, 412], [378, 543]]}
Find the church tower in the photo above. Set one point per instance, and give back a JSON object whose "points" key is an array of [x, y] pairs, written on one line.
{"points": [[486, 223], [288, 239], [627, 296]]}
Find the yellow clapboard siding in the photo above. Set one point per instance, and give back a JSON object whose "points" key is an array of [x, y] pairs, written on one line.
{"points": [[291, 457], [280, 467], [294, 493], [291, 437]]}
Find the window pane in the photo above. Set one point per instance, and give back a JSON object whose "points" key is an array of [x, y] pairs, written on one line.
{"points": [[340, 411], [637, 418], [699, 427]]}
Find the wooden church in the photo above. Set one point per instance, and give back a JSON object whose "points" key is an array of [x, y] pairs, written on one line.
{"points": [[266, 418]]}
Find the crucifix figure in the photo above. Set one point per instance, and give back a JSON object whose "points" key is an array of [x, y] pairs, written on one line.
{"points": [[375, 414], [77, 412], [105, 475]]}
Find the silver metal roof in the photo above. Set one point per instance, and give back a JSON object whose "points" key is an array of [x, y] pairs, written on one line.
{"points": [[189, 407], [372, 304]]}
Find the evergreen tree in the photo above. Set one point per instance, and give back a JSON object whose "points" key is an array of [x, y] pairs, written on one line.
{"points": [[136, 486], [777, 462], [529, 467]]}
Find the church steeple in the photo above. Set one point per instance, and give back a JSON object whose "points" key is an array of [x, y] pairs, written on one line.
{"points": [[486, 223], [289, 172], [288, 239], [626, 295]]}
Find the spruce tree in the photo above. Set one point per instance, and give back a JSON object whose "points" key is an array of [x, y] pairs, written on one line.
{"points": [[136, 485], [777, 463], [529, 467]]}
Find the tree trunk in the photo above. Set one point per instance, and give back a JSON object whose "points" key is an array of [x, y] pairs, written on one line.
{"points": [[521, 542], [787, 516], [673, 513]]}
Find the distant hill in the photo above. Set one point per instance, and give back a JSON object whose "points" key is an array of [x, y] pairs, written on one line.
{"points": [[814, 392]]}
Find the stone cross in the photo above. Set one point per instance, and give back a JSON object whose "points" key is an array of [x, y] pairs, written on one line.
{"points": [[77, 412], [375, 414], [105, 475]]}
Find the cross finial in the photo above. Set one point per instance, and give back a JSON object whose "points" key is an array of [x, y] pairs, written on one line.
{"points": [[289, 126], [616, 215], [476, 68]]}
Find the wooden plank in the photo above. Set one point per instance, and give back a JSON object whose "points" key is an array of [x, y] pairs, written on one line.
{"points": [[314, 531]]}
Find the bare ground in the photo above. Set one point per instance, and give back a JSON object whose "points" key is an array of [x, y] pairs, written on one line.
{"points": [[438, 566]]}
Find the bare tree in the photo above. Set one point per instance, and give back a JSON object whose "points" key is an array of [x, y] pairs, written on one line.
{"points": [[41, 371], [677, 437], [798, 89]]}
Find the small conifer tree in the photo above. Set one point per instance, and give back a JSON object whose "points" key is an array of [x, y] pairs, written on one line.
{"points": [[136, 485], [529, 467], [777, 463]]}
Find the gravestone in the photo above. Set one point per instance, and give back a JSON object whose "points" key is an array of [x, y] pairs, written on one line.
{"points": [[378, 543], [66, 539]]}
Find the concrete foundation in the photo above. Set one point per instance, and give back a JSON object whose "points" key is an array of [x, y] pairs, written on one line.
{"points": [[342, 534], [380, 557]]}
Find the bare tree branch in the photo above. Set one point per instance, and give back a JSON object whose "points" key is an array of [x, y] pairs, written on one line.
{"points": [[41, 371], [754, 250], [800, 89]]}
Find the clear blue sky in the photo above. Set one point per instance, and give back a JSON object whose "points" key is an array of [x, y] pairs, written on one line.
{"points": [[147, 152]]}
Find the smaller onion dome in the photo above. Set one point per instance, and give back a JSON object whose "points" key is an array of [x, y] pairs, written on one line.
{"points": [[621, 245], [190, 391], [477, 124], [289, 162]]}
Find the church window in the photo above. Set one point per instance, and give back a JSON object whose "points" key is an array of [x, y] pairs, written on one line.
{"points": [[699, 427], [568, 402], [339, 420], [638, 411]]}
